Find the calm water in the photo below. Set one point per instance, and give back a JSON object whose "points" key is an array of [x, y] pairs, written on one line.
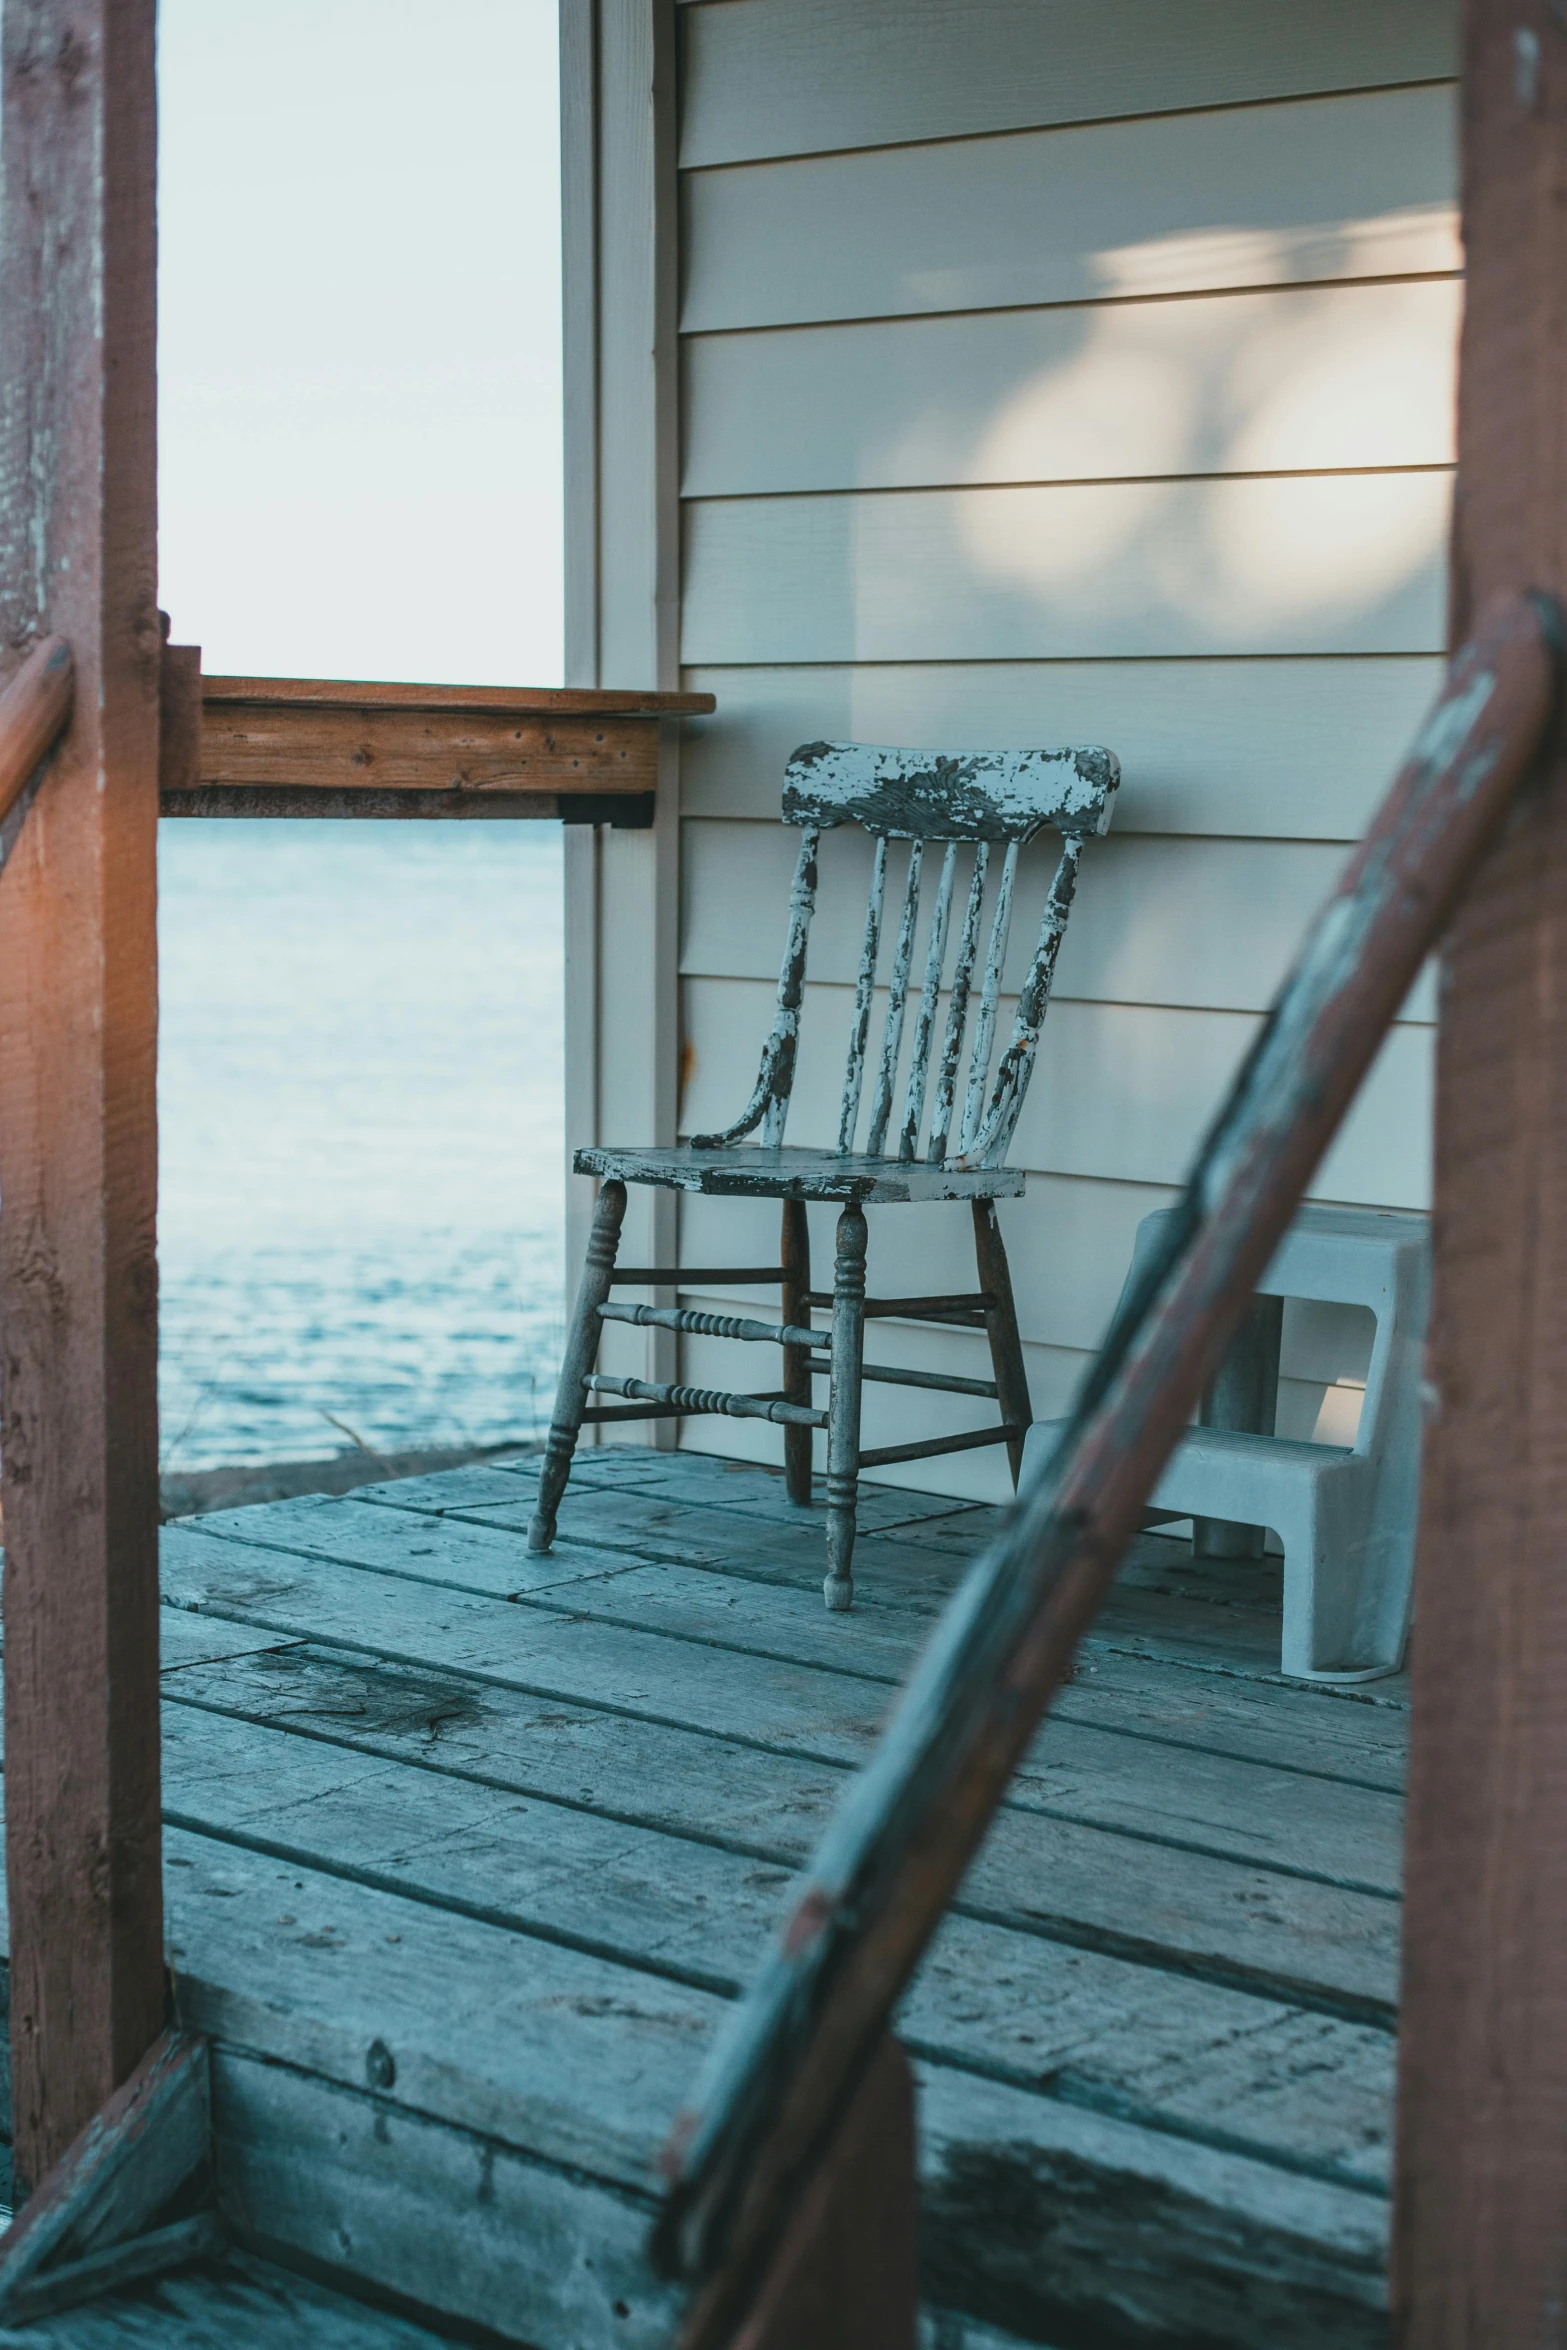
{"points": [[360, 1110]]}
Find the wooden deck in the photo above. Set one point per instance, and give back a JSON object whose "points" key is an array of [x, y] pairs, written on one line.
{"points": [[467, 1850]]}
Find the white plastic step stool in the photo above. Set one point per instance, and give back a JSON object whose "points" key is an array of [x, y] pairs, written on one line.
{"points": [[1346, 1515]]}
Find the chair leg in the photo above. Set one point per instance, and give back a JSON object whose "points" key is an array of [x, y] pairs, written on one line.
{"points": [[795, 1258], [582, 1348], [1006, 1347], [843, 1405]]}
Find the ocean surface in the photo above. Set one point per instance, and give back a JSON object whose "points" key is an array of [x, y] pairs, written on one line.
{"points": [[360, 1129]]}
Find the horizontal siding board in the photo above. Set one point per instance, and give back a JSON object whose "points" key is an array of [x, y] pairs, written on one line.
{"points": [[1212, 924], [776, 77], [1337, 564], [1121, 1091], [1323, 189], [1298, 749], [1315, 378]]}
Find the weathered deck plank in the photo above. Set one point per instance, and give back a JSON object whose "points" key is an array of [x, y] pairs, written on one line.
{"points": [[1283, 1933], [244, 2304], [1221, 2066], [1084, 1769], [1153, 2037], [1224, 1618], [1339, 1832]]}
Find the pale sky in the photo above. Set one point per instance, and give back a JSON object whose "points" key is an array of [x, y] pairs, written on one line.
{"points": [[360, 337]]}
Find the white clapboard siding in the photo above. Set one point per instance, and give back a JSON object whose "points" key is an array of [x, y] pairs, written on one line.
{"points": [[785, 77], [1339, 563], [1295, 749], [1324, 188], [1316, 378], [1122, 1091], [1087, 378], [1213, 924]]}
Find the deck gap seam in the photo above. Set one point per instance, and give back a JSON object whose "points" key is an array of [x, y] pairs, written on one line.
{"points": [[1282, 1989], [1011, 1802]]}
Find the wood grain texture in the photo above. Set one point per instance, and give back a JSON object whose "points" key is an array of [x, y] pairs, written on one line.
{"points": [[442, 2215], [1101, 1777], [78, 1025], [223, 694], [844, 2275], [1481, 2249], [1255, 2280], [124, 2166], [246, 2301], [782, 78], [1320, 190], [631, 811], [110, 2186], [1314, 379], [1349, 563], [304, 747], [179, 719], [578, 1810], [1232, 1918]]}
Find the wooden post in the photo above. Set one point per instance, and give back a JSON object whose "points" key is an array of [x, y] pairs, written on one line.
{"points": [[78, 1022], [844, 2274], [1480, 2238]]}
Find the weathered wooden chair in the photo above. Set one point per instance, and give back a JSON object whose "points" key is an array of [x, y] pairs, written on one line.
{"points": [[924, 797]]}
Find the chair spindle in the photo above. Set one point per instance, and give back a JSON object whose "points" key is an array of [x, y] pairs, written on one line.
{"points": [[985, 1025], [994, 1138], [957, 1009], [864, 987], [930, 992], [898, 989]]}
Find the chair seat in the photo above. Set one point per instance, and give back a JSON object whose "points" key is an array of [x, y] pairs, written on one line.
{"points": [[744, 1172]]}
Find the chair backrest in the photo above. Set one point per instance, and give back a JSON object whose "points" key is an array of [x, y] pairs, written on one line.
{"points": [[927, 797]]}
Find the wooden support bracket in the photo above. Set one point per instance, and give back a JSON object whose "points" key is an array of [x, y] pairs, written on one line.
{"points": [[117, 2205]]}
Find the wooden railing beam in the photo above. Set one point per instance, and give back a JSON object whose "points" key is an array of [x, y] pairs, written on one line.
{"points": [[303, 746]]}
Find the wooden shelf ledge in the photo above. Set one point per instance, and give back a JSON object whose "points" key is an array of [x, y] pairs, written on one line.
{"points": [[308, 746]]}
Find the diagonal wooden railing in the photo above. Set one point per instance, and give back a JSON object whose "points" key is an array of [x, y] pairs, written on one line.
{"points": [[35, 705], [806, 2052]]}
